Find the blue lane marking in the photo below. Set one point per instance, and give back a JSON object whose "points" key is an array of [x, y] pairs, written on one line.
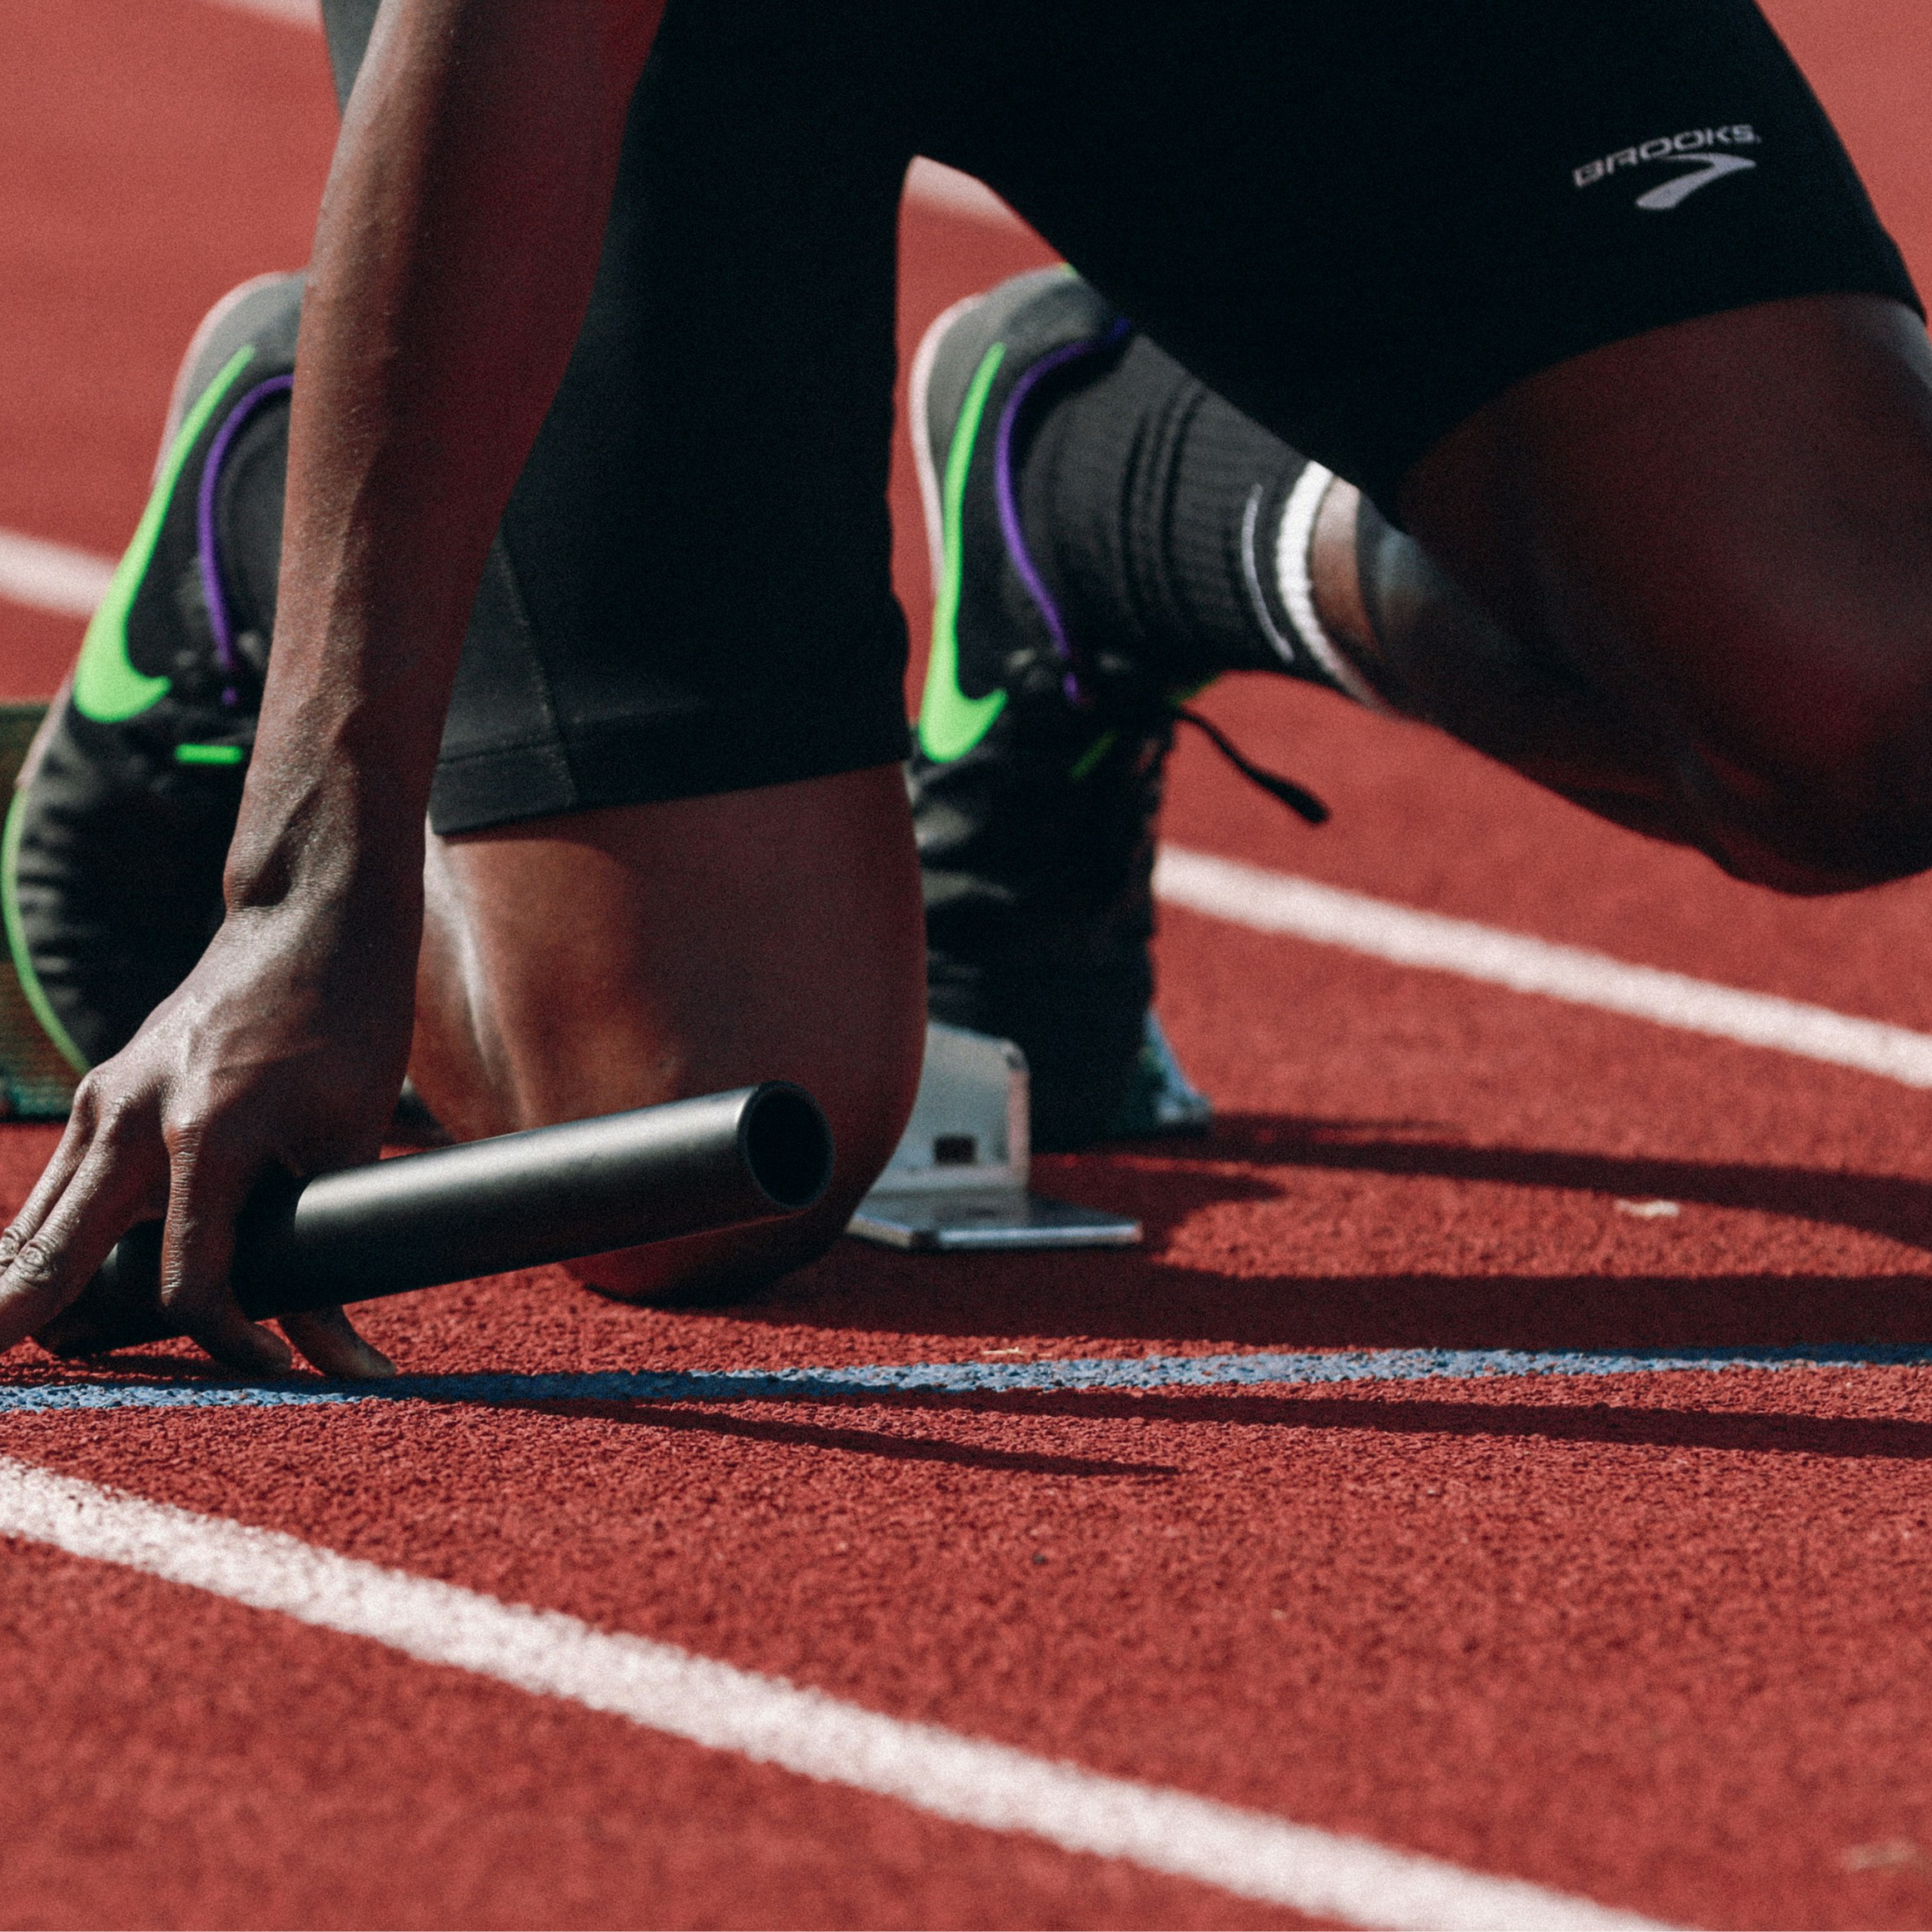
{"points": [[1151, 1371]]}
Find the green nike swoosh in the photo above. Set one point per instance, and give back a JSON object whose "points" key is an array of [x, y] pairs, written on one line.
{"points": [[108, 688], [950, 723]]}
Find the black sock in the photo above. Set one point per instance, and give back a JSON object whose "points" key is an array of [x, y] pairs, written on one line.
{"points": [[1158, 512], [1153, 507]]}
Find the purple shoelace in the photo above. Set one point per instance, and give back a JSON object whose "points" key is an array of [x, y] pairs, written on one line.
{"points": [[208, 540], [1007, 494]]}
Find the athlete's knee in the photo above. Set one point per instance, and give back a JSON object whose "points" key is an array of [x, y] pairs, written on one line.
{"points": [[1817, 778], [868, 1119], [867, 1112]]}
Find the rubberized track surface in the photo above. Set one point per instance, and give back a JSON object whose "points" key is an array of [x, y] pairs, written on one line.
{"points": [[1654, 1637]]}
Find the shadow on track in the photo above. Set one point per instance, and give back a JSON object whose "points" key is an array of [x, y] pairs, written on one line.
{"points": [[1897, 1207], [852, 1442], [1148, 1299], [1144, 1297]]}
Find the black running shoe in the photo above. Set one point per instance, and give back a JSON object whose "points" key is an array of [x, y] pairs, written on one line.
{"points": [[111, 870], [1037, 772]]}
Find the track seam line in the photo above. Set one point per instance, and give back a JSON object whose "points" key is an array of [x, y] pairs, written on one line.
{"points": [[938, 186], [1281, 904], [966, 1779]]}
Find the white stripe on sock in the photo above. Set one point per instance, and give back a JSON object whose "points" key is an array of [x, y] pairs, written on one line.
{"points": [[1283, 645], [963, 1779], [1292, 546], [1278, 903]]}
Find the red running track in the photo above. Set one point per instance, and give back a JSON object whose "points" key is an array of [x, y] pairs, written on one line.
{"points": [[1656, 1639]]}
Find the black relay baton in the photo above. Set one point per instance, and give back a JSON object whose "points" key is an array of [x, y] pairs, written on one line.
{"points": [[551, 1193]]}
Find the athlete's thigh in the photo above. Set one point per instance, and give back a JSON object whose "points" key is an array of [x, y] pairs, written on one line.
{"points": [[1727, 525], [672, 852], [1593, 300], [690, 591]]}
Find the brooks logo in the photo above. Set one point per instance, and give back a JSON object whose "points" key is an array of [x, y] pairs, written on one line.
{"points": [[1709, 152]]}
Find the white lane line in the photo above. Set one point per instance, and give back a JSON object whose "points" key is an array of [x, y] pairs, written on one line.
{"points": [[296, 12], [963, 1779], [51, 576], [1278, 902], [939, 186]]}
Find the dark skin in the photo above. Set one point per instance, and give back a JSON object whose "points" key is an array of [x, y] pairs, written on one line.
{"points": [[1718, 535], [770, 934]]}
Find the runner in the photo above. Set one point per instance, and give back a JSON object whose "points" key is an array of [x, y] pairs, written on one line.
{"points": [[1591, 312]]}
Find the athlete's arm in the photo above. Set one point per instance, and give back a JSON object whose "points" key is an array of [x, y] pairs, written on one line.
{"points": [[459, 238]]}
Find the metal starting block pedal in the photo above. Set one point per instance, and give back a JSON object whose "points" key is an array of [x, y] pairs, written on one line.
{"points": [[958, 1180]]}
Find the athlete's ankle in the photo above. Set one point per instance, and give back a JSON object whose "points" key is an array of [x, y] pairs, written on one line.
{"points": [[1334, 580], [1179, 539], [1338, 598], [1326, 633]]}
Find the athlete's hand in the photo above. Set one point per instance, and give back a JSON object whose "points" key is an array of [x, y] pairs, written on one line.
{"points": [[285, 1047]]}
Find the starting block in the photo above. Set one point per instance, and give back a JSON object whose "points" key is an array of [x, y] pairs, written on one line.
{"points": [[958, 1180]]}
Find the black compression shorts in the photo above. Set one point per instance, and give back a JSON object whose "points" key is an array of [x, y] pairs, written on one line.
{"points": [[1357, 222]]}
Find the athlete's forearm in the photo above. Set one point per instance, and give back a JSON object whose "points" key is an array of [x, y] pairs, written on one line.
{"points": [[453, 259]]}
